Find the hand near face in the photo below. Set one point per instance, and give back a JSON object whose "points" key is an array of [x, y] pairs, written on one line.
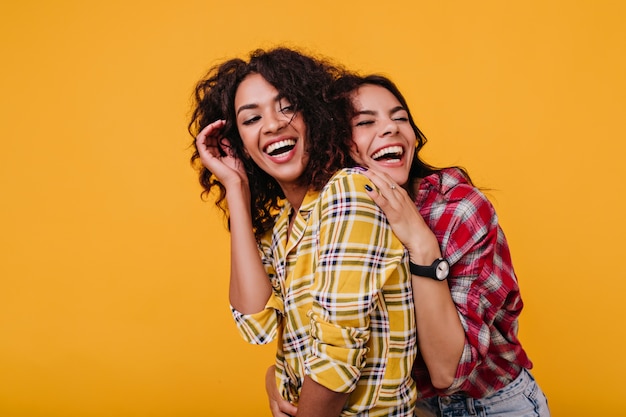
{"points": [[404, 218], [227, 168]]}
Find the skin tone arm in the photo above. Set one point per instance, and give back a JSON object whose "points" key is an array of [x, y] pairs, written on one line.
{"points": [[318, 401], [249, 286], [441, 335]]}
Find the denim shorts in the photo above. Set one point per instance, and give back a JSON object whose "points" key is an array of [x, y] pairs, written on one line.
{"points": [[521, 398]]}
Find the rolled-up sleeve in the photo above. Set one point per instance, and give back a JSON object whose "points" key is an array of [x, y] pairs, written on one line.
{"points": [[262, 327], [258, 328]]}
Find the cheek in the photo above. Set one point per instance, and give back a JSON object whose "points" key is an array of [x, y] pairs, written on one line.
{"points": [[358, 146], [247, 138]]}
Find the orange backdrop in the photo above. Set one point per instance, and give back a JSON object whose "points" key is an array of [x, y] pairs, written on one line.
{"points": [[113, 273]]}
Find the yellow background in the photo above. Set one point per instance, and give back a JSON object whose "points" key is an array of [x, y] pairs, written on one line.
{"points": [[113, 291]]}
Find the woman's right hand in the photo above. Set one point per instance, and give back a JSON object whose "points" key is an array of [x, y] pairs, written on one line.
{"points": [[278, 405], [227, 168], [404, 218]]}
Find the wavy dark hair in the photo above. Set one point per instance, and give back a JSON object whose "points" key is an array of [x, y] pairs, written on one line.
{"points": [[346, 84], [302, 80]]}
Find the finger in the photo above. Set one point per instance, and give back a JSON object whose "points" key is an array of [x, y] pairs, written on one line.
{"points": [[388, 179], [376, 195], [384, 184], [375, 178], [209, 136], [276, 412], [287, 408]]}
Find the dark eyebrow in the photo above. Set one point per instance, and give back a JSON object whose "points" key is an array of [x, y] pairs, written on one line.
{"points": [[254, 105], [366, 112], [246, 107], [373, 113], [397, 109]]}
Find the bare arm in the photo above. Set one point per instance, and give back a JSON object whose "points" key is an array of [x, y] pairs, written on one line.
{"points": [[249, 286], [441, 335], [318, 401]]}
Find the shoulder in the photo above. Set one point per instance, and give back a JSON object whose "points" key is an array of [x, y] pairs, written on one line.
{"points": [[345, 193], [347, 184], [449, 192]]}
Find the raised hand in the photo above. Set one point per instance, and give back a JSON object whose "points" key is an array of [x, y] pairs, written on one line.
{"points": [[224, 165], [404, 218]]}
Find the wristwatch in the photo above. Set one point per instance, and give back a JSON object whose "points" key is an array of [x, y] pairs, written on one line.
{"points": [[439, 270]]}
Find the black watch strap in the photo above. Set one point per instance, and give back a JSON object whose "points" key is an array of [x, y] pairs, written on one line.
{"points": [[439, 269]]}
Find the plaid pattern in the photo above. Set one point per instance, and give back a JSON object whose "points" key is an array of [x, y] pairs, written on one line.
{"points": [[482, 282], [342, 305]]}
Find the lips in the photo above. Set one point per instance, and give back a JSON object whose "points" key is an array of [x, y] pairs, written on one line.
{"points": [[280, 147], [390, 152]]}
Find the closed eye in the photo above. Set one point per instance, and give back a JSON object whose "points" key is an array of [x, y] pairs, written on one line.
{"points": [[251, 120], [364, 122]]}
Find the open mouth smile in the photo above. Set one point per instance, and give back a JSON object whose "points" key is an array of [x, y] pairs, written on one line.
{"points": [[388, 154], [280, 147]]}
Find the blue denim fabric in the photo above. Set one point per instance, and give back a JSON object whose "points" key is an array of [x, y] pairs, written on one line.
{"points": [[521, 398]]}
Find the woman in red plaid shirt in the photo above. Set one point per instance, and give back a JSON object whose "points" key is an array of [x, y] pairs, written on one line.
{"points": [[467, 300]]}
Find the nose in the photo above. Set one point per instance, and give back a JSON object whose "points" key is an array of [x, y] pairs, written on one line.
{"points": [[390, 128], [275, 121]]}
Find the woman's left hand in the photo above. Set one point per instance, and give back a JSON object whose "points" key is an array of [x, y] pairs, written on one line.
{"points": [[278, 406]]}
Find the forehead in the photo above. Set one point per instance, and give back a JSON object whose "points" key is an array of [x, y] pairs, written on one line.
{"points": [[374, 96], [254, 89]]}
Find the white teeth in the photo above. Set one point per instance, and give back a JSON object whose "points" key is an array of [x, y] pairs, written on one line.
{"points": [[280, 144], [395, 150]]}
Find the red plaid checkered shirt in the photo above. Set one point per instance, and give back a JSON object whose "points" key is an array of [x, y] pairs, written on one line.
{"points": [[482, 282]]}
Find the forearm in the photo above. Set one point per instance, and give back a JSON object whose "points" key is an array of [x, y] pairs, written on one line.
{"points": [[441, 336], [318, 401], [250, 287]]}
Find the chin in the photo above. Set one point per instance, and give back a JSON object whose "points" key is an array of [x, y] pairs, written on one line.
{"points": [[400, 178]]}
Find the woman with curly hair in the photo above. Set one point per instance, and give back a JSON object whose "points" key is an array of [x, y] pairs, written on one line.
{"points": [[314, 263]]}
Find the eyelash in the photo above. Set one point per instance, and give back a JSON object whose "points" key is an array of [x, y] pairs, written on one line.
{"points": [[251, 120], [284, 110], [369, 122]]}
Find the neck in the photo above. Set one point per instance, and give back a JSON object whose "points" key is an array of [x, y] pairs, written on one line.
{"points": [[295, 195]]}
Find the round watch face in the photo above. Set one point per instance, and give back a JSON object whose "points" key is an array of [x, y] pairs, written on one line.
{"points": [[442, 270]]}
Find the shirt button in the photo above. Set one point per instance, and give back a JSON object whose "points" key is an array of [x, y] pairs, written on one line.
{"points": [[446, 400]]}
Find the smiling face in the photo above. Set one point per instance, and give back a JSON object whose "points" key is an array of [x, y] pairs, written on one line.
{"points": [[273, 134], [382, 135]]}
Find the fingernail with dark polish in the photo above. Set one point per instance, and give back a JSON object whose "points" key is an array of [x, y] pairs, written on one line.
{"points": [[367, 187]]}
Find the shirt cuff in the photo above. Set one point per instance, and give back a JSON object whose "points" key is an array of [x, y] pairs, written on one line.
{"points": [[337, 355]]}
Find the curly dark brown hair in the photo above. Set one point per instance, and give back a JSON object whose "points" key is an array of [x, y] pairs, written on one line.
{"points": [[303, 81]]}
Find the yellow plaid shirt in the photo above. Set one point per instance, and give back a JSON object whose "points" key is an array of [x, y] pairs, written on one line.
{"points": [[342, 306]]}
